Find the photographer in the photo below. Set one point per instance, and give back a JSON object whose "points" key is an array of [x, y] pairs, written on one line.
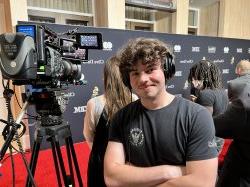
{"points": [[234, 124]]}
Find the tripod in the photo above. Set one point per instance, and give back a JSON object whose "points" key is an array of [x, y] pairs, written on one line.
{"points": [[55, 129]]}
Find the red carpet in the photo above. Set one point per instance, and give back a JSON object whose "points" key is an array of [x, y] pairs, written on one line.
{"points": [[45, 175]]}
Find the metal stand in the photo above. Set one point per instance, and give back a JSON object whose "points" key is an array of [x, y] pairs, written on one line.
{"points": [[54, 134], [50, 105]]}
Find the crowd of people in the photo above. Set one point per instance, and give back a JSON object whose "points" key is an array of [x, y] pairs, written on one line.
{"points": [[159, 139]]}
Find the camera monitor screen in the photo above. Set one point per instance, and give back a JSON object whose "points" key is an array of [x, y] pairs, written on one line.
{"points": [[89, 40], [27, 29]]}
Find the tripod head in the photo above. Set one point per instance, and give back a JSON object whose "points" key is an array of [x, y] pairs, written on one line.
{"points": [[50, 105]]}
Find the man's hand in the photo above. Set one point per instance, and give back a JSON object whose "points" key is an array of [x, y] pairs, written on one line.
{"points": [[193, 98], [174, 171]]}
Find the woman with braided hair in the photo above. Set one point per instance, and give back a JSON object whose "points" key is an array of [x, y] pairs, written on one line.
{"points": [[205, 78]]}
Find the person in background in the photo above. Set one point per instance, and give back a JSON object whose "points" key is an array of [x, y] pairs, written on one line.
{"points": [[160, 139], [205, 78], [100, 110], [242, 70], [235, 124]]}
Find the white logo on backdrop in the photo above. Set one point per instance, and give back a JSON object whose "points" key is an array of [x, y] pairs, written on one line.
{"points": [[219, 61], [226, 49], [70, 94], [232, 60], [239, 50], [79, 109], [195, 49], [248, 50], [94, 61], [177, 48], [178, 73], [170, 86], [211, 49], [186, 61], [95, 92], [107, 46], [225, 71], [186, 85]]}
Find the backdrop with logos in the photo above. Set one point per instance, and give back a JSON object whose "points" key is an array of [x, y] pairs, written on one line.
{"points": [[187, 50]]}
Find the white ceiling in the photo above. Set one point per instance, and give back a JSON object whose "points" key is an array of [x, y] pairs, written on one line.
{"points": [[201, 3]]}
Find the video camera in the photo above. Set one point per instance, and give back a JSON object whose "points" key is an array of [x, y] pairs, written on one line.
{"points": [[40, 57]]}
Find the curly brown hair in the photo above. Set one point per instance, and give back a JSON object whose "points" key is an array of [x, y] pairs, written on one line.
{"points": [[147, 50]]}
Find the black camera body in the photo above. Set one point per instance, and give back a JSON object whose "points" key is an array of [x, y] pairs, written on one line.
{"points": [[38, 56]]}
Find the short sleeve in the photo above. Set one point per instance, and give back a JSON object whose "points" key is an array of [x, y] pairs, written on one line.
{"points": [[201, 140], [115, 129], [205, 98]]}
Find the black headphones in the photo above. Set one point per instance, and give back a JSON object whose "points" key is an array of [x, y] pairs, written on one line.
{"points": [[168, 68]]}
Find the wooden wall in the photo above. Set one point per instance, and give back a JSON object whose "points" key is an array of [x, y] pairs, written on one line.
{"points": [[234, 19], [109, 13], [209, 20]]}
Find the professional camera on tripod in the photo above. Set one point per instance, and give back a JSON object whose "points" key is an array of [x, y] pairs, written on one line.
{"points": [[47, 62]]}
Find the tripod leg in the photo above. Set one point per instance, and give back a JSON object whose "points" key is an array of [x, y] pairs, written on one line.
{"points": [[70, 162], [70, 144], [59, 154], [34, 157], [55, 161]]}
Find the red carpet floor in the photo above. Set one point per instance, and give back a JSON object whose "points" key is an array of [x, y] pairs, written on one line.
{"points": [[45, 175]]}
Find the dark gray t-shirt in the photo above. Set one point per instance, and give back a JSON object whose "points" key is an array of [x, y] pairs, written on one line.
{"points": [[182, 131], [217, 99]]}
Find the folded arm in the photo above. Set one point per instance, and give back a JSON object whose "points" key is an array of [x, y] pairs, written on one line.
{"points": [[118, 173], [198, 173]]}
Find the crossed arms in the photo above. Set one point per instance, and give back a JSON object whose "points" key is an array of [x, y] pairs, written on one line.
{"points": [[118, 173]]}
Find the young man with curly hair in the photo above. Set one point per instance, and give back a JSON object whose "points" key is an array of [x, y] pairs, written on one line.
{"points": [[160, 139]]}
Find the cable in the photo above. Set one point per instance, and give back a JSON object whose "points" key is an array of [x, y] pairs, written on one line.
{"points": [[10, 131]]}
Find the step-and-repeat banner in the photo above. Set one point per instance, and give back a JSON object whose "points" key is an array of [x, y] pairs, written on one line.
{"points": [[187, 50]]}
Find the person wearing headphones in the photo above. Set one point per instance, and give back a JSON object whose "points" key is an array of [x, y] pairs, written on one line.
{"points": [[205, 78], [235, 124], [160, 139]]}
